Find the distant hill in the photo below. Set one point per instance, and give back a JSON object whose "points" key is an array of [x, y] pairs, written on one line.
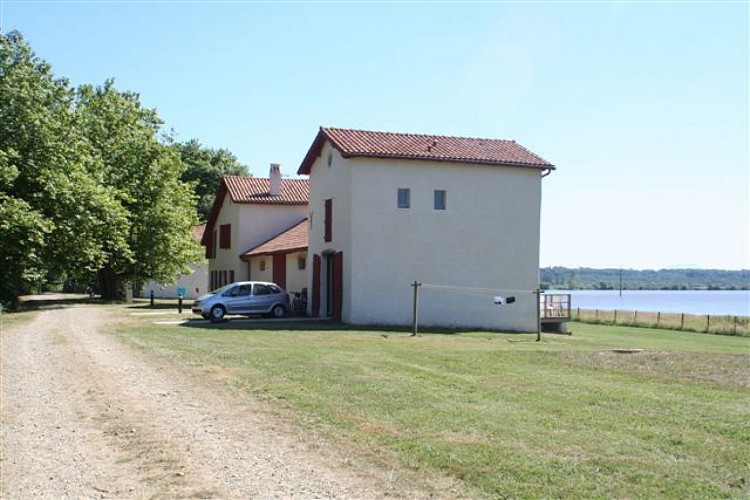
{"points": [[584, 278]]}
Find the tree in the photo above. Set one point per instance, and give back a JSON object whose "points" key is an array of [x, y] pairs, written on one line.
{"points": [[205, 167], [50, 207], [144, 175]]}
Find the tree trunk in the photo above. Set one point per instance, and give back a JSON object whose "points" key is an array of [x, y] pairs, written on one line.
{"points": [[111, 284]]}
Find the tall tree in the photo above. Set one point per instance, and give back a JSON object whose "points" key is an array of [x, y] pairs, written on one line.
{"points": [[50, 208], [205, 167], [144, 173]]}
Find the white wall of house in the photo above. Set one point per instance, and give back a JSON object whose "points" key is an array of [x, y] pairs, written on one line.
{"points": [[261, 269], [195, 284], [488, 237], [252, 224], [330, 181], [296, 278]]}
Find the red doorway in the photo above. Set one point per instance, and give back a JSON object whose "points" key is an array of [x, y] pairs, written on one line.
{"points": [[279, 269]]}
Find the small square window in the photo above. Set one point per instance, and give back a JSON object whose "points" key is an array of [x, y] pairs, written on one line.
{"points": [[262, 265], [301, 263], [439, 199], [404, 198]]}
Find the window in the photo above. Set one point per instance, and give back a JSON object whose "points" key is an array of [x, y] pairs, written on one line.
{"points": [[404, 198], [328, 221], [439, 199], [225, 236], [262, 265], [301, 263], [261, 290]]}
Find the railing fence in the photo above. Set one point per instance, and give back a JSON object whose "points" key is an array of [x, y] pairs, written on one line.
{"points": [[704, 323]]}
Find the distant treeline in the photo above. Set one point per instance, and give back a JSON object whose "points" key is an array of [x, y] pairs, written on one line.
{"points": [[584, 278]]}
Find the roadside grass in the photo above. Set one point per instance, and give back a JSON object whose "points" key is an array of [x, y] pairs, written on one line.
{"points": [[507, 416]]}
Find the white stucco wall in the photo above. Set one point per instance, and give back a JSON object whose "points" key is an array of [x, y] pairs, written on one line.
{"points": [[332, 182], [296, 279], [195, 284], [487, 238], [256, 274]]}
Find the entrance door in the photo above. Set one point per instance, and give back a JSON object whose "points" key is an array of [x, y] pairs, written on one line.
{"points": [[334, 282], [279, 270], [315, 311]]}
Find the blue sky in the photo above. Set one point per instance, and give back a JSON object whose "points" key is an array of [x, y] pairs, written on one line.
{"points": [[643, 107]]}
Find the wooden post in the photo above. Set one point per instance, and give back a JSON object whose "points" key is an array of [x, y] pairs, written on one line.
{"points": [[708, 323], [635, 318], [658, 318], [414, 323], [735, 325], [615, 321], [538, 294], [682, 321]]}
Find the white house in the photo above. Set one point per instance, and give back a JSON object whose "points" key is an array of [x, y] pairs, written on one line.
{"points": [[247, 213], [459, 215], [193, 284]]}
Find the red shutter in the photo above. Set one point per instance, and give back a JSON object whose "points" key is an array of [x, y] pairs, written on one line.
{"points": [[225, 236], [316, 287], [328, 222]]}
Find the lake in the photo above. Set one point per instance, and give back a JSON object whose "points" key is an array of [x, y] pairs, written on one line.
{"points": [[714, 302]]}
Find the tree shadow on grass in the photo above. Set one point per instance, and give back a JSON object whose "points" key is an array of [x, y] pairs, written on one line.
{"points": [[54, 301]]}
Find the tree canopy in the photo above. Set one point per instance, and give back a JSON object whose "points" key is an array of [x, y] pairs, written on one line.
{"points": [[89, 184], [205, 167]]}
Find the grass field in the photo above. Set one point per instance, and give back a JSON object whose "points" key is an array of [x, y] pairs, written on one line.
{"points": [[507, 416], [715, 324]]}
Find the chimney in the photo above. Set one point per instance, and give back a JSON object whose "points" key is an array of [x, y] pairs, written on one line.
{"points": [[274, 188]]}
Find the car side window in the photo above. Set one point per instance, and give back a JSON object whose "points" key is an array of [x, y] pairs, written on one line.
{"points": [[261, 290], [244, 290], [232, 292], [274, 289]]}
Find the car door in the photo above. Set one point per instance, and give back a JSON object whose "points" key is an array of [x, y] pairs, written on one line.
{"points": [[237, 300], [262, 298], [244, 298]]}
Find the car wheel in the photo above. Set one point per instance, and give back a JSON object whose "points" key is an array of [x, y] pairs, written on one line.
{"points": [[217, 313], [278, 311]]}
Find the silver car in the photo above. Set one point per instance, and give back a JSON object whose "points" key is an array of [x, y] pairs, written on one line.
{"points": [[244, 297]]}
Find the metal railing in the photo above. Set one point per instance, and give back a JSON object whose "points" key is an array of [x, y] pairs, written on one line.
{"points": [[554, 306]]}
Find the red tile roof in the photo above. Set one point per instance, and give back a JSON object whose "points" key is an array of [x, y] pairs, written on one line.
{"points": [[368, 144], [255, 190], [197, 231], [292, 240]]}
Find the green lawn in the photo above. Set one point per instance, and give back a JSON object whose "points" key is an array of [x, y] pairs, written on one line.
{"points": [[509, 417]]}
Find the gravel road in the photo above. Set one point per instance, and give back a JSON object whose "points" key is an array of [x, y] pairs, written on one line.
{"points": [[83, 415]]}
